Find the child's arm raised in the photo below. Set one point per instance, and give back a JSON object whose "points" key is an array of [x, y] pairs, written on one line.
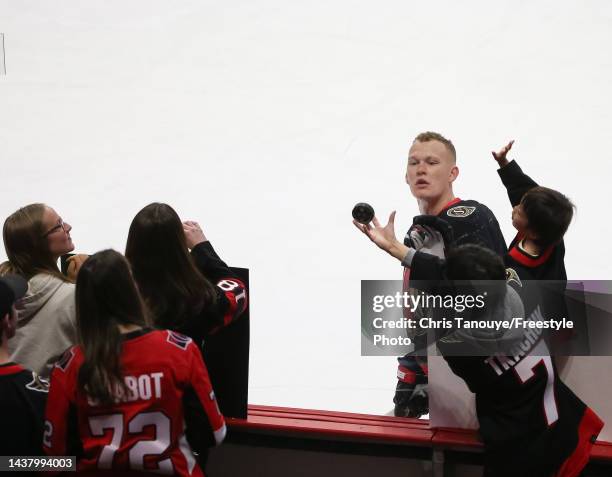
{"points": [[517, 183]]}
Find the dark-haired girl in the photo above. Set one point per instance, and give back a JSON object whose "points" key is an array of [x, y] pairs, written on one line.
{"points": [[128, 398], [193, 292]]}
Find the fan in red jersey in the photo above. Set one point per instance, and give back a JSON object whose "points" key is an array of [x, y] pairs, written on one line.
{"points": [[128, 398]]}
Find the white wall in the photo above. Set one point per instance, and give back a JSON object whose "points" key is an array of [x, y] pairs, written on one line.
{"points": [[267, 120]]}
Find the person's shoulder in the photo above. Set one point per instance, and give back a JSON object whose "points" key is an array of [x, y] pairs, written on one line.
{"points": [[516, 273], [467, 209], [70, 359], [64, 287], [472, 202], [35, 384], [171, 340], [560, 247], [44, 279], [24, 378], [46, 284], [49, 294]]}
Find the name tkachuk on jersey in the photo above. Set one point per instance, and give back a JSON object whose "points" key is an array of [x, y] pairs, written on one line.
{"points": [[168, 410], [531, 337], [531, 423]]}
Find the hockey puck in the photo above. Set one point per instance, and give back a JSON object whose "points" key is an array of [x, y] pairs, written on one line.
{"points": [[363, 213]]}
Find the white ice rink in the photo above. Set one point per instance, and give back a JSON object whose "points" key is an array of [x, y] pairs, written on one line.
{"points": [[268, 120]]}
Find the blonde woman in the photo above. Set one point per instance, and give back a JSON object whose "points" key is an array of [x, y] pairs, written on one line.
{"points": [[35, 236]]}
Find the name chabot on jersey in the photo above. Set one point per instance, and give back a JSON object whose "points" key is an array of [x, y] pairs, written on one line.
{"points": [[139, 388]]}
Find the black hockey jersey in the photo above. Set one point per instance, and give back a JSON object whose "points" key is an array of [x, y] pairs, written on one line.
{"points": [[231, 296], [461, 222], [469, 222], [22, 408], [466, 222], [531, 423], [549, 266]]}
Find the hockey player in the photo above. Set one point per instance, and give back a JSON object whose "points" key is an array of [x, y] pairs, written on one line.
{"points": [[540, 215], [530, 422], [430, 174], [22, 392], [128, 398]]}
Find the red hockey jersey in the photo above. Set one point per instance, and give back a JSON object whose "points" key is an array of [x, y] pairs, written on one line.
{"points": [[169, 409]]}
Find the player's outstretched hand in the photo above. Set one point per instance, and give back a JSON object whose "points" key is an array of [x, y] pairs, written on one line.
{"points": [[383, 237], [193, 233], [500, 156]]}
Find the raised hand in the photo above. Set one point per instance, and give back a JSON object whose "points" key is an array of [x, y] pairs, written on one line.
{"points": [[500, 156], [74, 265], [193, 233]]}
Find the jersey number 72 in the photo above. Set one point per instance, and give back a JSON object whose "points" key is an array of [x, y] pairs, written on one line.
{"points": [[98, 425]]}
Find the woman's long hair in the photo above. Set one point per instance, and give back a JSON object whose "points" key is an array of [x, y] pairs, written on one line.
{"points": [[26, 247], [171, 284], [106, 296]]}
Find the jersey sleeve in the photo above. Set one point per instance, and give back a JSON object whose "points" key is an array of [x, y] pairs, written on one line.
{"points": [[470, 222], [209, 263], [231, 291], [426, 267], [204, 423], [517, 183], [57, 411]]}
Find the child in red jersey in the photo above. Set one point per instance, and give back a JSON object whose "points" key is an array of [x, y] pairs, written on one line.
{"points": [[128, 398]]}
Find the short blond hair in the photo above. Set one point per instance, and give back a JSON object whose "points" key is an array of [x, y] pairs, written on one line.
{"points": [[434, 136]]}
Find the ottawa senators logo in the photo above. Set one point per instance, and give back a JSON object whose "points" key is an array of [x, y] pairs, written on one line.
{"points": [[512, 276], [460, 211], [38, 384]]}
